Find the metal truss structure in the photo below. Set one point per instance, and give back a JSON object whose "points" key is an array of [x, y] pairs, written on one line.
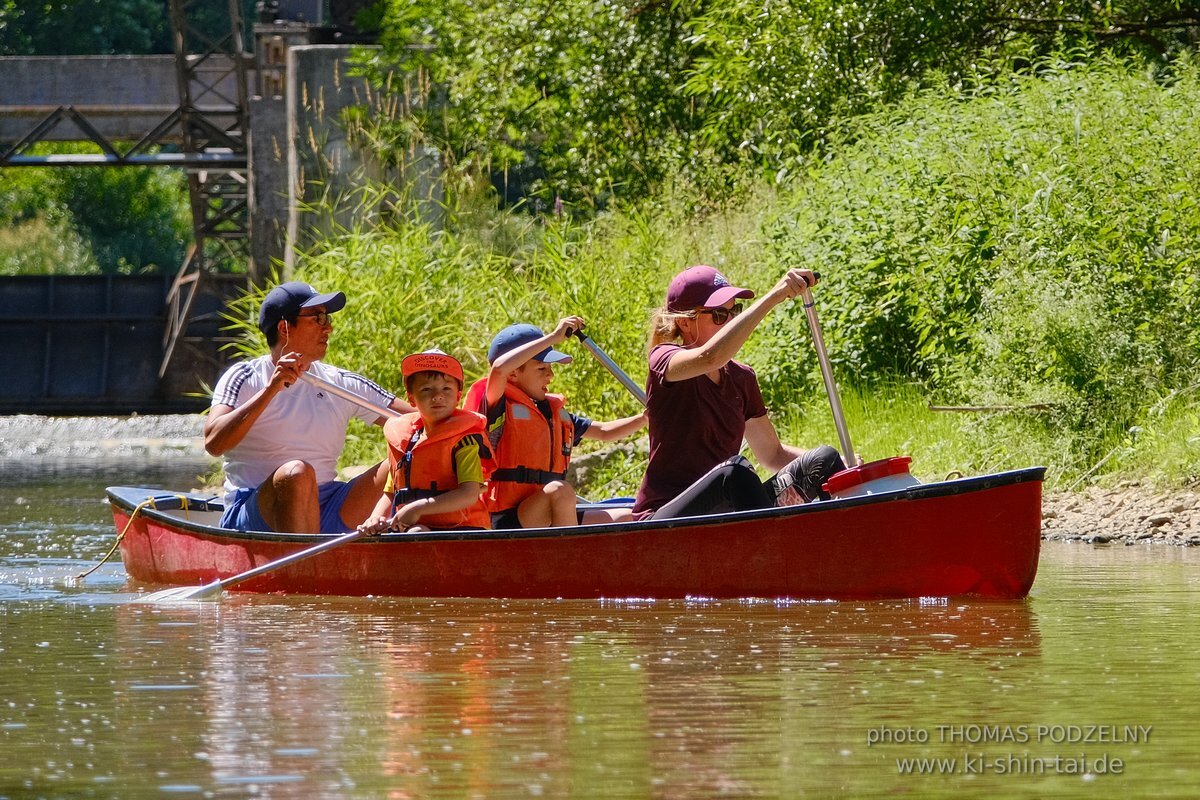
{"points": [[206, 134]]}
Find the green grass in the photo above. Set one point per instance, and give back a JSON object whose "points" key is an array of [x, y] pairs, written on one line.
{"points": [[1032, 243]]}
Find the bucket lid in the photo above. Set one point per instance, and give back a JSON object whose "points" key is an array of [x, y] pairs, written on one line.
{"points": [[874, 470]]}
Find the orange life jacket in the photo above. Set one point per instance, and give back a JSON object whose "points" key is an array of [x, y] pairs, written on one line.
{"points": [[476, 397], [426, 469], [531, 450]]}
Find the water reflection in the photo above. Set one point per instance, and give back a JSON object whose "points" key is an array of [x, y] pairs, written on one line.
{"points": [[262, 696], [55, 522], [476, 698]]}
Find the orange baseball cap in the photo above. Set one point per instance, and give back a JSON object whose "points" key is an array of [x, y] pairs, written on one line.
{"points": [[432, 361]]}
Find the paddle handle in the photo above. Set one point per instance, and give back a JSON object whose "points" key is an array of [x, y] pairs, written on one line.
{"points": [[316, 549], [835, 403], [346, 394], [612, 367]]}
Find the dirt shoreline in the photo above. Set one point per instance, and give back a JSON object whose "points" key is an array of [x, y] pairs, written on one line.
{"points": [[1128, 513]]}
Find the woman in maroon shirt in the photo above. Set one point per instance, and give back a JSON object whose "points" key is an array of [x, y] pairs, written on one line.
{"points": [[702, 404]]}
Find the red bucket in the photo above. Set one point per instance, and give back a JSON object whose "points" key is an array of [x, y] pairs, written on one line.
{"points": [[885, 475]]}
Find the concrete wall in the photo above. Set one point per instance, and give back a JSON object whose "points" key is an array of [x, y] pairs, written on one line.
{"points": [[326, 165]]}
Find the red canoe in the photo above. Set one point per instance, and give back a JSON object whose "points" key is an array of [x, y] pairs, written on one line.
{"points": [[976, 536]]}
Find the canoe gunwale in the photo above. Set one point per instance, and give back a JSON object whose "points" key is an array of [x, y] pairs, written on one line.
{"points": [[127, 499]]}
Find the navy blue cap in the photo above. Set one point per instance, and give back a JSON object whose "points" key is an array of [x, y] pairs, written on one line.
{"points": [[515, 336], [286, 300]]}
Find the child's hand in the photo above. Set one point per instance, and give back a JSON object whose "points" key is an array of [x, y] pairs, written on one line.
{"points": [[376, 525], [410, 514], [567, 326]]}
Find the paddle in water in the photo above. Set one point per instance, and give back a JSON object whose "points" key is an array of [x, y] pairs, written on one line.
{"points": [[214, 589]]}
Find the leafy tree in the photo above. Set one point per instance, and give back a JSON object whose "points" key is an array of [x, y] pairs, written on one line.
{"points": [[540, 92], [775, 74], [126, 219], [583, 98], [135, 219], [104, 27], [83, 27]]}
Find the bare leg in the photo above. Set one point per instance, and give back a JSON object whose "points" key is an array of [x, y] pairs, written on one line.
{"points": [[365, 491], [562, 504], [288, 499], [601, 516], [552, 507]]}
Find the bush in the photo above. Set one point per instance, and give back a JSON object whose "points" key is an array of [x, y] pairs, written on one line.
{"points": [[1035, 240], [1030, 242], [93, 219]]}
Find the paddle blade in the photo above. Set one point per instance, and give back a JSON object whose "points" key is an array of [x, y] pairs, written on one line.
{"points": [[185, 594]]}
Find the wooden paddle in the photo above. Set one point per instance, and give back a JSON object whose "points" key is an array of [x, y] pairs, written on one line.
{"points": [[214, 589], [346, 394]]}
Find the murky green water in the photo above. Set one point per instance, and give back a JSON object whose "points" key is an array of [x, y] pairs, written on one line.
{"points": [[1087, 689]]}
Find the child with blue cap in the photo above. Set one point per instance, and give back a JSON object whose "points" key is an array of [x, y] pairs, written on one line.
{"points": [[531, 432]]}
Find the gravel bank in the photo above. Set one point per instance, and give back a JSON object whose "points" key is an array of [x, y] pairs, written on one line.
{"points": [[29, 436], [1128, 513]]}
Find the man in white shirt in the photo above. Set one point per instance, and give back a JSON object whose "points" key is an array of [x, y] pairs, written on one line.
{"points": [[281, 436]]}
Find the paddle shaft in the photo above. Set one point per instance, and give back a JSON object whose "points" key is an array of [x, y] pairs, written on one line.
{"points": [[316, 549], [835, 404], [214, 588], [346, 394], [612, 367]]}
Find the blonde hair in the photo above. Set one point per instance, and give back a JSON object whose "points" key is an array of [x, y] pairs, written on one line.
{"points": [[664, 326]]}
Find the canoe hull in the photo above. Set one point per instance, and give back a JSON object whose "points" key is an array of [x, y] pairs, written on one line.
{"points": [[976, 536]]}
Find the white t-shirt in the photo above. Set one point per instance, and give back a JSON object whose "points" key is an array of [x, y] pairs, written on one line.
{"points": [[302, 422]]}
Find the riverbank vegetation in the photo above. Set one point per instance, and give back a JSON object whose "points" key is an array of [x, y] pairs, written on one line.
{"points": [[89, 220], [1025, 248], [1000, 195]]}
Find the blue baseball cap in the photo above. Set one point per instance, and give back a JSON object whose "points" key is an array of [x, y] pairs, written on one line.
{"points": [[515, 336], [286, 300]]}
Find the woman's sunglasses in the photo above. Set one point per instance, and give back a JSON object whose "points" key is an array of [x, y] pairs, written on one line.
{"points": [[722, 315]]}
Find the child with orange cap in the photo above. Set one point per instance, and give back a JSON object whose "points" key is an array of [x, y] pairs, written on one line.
{"points": [[438, 456]]}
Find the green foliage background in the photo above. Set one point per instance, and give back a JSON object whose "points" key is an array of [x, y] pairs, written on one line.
{"points": [[90, 219], [1001, 195], [1029, 243], [595, 100]]}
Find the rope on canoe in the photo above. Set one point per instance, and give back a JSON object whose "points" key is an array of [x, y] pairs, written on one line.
{"points": [[149, 502]]}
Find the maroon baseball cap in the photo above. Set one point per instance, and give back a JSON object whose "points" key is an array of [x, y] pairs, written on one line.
{"points": [[701, 286]]}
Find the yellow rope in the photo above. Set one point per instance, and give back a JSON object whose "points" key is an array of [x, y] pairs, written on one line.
{"points": [[121, 536]]}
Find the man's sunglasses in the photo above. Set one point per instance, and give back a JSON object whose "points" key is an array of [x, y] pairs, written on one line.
{"points": [[322, 318], [722, 315]]}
